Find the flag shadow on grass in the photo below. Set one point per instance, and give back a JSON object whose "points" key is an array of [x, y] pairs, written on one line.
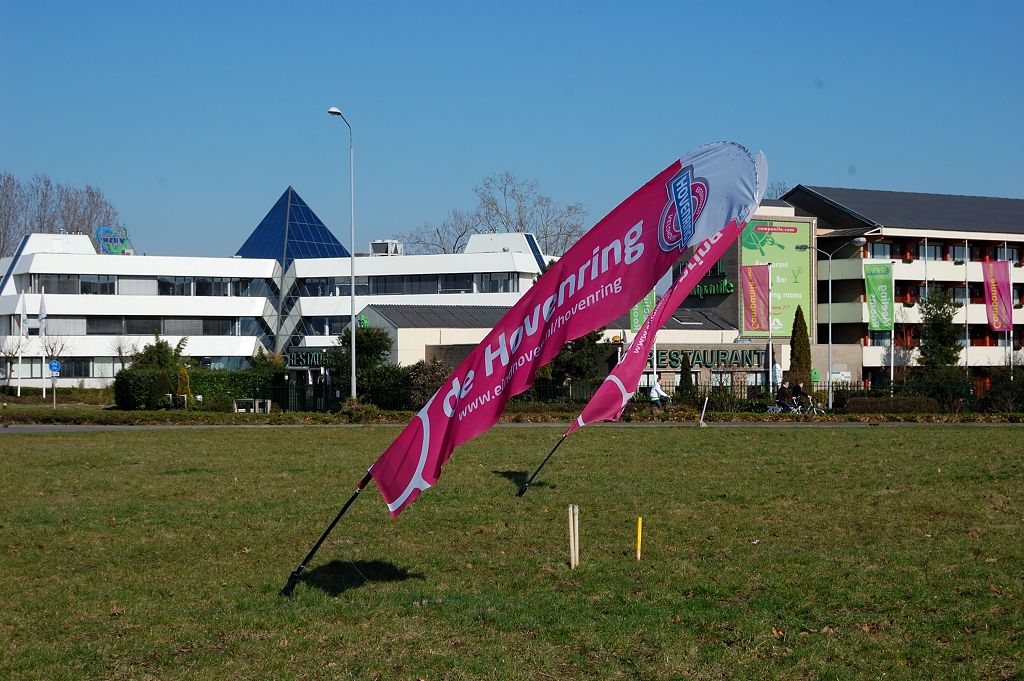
{"points": [[518, 478], [339, 576]]}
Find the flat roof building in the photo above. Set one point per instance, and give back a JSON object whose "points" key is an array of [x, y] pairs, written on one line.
{"points": [[287, 289]]}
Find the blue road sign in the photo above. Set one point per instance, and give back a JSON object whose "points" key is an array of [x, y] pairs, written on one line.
{"points": [[55, 366]]}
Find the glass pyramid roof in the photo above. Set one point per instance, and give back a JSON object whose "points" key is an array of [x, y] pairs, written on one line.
{"points": [[307, 236]]}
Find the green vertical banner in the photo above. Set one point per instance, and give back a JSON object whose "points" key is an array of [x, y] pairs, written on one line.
{"points": [[638, 313], [878, 285]]}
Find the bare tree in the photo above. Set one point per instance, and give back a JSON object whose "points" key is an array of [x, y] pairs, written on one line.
{"points": [[776, 189], [98, 212], [44, 206], [13, 212], [10, 350], [54, 346], [506, 204], [70, 208], [124, 349], [509, 204], [449, 236]]}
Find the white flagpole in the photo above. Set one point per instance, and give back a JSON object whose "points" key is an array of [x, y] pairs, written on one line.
{"points": [[1009, 333], [771, 349], [892, 332], [967, 308], [42, 335], [24, 336]]}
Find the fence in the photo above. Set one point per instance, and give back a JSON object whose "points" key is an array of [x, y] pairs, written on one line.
{"points": [[303, 397], [738, 398]]}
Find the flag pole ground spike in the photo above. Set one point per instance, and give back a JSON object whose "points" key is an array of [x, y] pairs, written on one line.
{"points": [[293, 578], [526, 485], [703, 411]]}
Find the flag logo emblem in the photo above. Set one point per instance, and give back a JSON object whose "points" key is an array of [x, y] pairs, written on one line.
{"points": [[687, 196]]}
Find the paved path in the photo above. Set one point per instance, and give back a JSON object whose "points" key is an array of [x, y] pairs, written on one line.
{"points": [[71, 428]]}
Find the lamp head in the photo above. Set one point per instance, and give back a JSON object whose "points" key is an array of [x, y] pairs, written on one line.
{"points": [[801, 247], [858, 241], [334, 111]]}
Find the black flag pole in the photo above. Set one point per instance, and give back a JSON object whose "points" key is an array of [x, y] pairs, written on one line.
{"points": [[293, 578], [526, 485]]}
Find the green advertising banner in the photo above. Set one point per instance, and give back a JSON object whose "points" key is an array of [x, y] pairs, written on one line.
{"points": [[774, 242], [638, 313], [878, 285]]}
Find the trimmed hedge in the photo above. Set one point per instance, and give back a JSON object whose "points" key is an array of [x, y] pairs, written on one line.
{"points": [[136, 389], [892, 405]]}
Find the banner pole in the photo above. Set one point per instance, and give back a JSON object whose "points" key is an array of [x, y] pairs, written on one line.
{"points": [[293, 578], [526, 485]]}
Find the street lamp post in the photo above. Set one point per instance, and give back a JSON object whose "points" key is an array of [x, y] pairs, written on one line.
{"points": [[858, 241], [335, 111]]}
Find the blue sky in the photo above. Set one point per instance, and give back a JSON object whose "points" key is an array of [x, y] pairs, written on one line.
{"points": [[194, 117]]}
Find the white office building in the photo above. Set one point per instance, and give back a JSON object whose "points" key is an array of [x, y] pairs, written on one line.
{"points": [[100, 308]]}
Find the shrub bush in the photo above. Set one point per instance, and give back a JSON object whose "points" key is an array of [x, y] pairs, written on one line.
{"points": [[234, 384], [133, 388], [949, 386], [359, 412], [892, 405], [224, 404], [1005, 394]]}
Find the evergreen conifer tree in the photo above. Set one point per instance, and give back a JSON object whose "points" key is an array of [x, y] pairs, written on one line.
{"points": [[800, 349]]}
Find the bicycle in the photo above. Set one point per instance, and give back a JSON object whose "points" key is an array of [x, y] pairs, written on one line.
{"points": [[810, 409]]}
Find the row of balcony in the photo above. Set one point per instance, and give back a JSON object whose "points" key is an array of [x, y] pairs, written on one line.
{"points": [[881, 356], [918, 270], [857, 313]]}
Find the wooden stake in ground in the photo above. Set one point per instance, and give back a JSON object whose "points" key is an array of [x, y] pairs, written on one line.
{"points": [[574, 536], [639, 534]]}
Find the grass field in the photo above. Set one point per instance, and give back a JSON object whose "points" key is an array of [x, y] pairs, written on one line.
{"points": [[769, 552]]}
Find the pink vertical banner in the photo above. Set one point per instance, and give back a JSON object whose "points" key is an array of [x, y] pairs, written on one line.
{"points": [[604, 274], [998, 302], [754, 280], [621, 384]]}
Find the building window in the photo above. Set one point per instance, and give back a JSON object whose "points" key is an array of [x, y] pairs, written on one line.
{"points": [[142, 326], [182, 326], [218, 326], [104, 326], [958, 252], [65, 326], [215, 286], [880, 250], [499, 282], [174, 286], [455, 283], [930, 251], [57, 283], [317, 287], [76, 367], [421, 284], [907, 293], [721, 379], [880, 338], [1011, 253], [362, 286], [256, 288], [385, 285], [99, 284], [137, 286]]}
